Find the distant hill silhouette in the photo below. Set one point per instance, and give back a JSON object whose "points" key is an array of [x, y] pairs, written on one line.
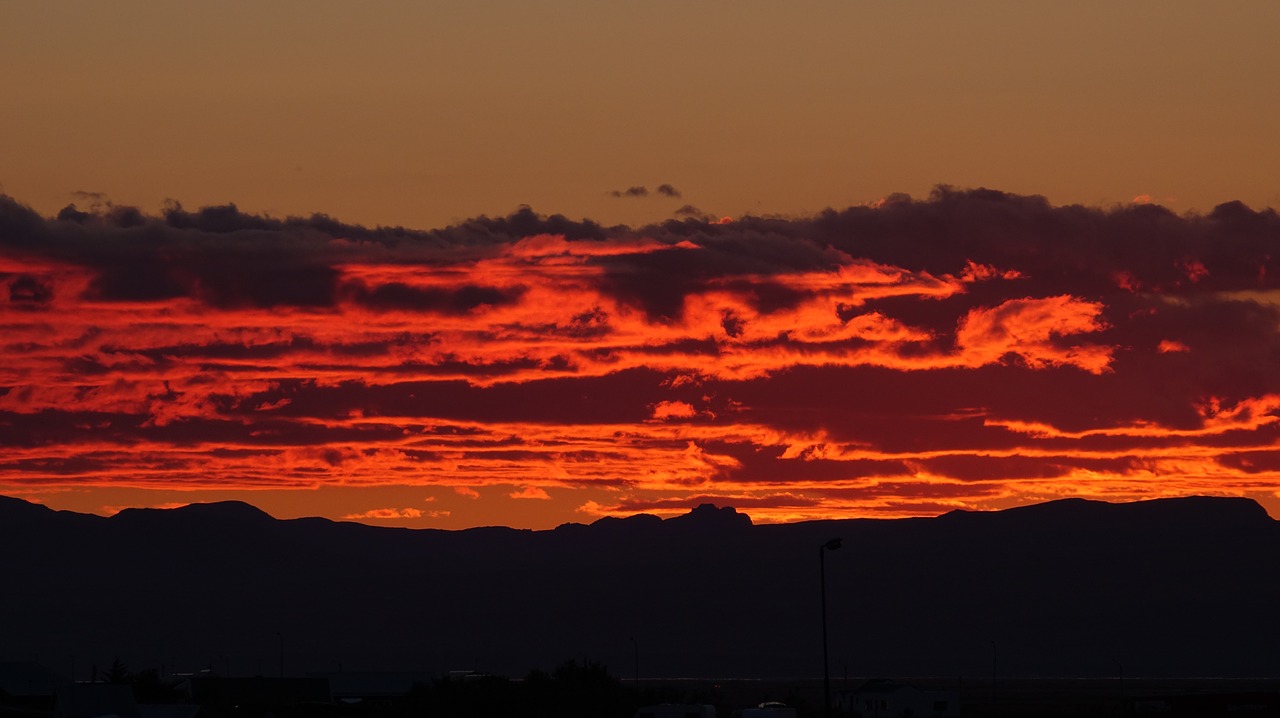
{"points": [[1172, 587]]}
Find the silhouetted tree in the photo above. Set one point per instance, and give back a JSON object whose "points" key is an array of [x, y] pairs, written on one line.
{"points": [[117, 674]]}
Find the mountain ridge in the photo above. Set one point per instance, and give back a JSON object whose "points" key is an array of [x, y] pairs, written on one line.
{"points": [[1170, 587], [704, 515]]}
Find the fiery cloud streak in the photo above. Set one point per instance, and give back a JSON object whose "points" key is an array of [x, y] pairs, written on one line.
{"points": [[972, 350]]}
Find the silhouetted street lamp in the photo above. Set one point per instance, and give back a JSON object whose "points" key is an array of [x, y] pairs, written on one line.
{"points": [[636, 646], [830, 545], [994, 672]]}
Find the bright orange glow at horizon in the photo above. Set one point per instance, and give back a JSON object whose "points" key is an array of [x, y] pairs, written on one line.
{"points": [[797, 369]]}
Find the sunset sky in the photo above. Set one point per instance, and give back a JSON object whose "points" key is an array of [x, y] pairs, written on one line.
{"points": [[457, 264]]}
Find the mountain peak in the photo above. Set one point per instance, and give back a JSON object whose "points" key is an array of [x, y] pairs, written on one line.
{"points": [[230, 509], [11, 504], [1186, 511], [235, 511], [713, 517]]}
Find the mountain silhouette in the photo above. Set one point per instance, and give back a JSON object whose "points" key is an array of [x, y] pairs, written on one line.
{"points": [[1169, 587]]}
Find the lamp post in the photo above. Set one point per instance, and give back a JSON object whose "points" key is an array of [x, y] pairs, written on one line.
{"points": [[830, 545], [636, 646], [994, 673]]}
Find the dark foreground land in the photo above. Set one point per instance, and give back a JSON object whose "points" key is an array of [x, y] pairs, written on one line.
{"points": [[1146, 696], [588, 691], [269, 609], [1176, 587], [1010, 698]]}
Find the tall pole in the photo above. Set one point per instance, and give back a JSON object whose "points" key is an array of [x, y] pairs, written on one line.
{"points": [[636, 646], [995, 689], [830, 545]]}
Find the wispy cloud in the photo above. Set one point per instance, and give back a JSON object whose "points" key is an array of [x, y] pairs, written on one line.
{"points": [[530, 492], [385, 515], [636, 191]]}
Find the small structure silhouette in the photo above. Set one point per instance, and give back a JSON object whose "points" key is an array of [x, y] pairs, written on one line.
{"points": [[879, 697]]}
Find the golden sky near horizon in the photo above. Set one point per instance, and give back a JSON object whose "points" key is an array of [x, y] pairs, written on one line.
{"points": [[971, 350]]}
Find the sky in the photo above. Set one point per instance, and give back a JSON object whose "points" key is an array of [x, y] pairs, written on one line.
{"points": [[459, 264]]}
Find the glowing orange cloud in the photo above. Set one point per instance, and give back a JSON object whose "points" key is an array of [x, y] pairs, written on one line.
{"points": [[1029, 328], [531, 492], [804, 369], [386, 514]]}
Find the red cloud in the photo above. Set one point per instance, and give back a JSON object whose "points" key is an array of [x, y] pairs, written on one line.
{"points": [[972, 350]]}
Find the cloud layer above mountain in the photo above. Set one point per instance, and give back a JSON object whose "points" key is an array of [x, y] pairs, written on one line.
{"points": [[973, 349]]}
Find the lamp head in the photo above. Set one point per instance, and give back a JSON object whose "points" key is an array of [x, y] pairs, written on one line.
{"points": [[833, 544]]}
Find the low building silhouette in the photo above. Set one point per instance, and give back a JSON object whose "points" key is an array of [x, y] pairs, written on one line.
{"points": [[879, 698]]}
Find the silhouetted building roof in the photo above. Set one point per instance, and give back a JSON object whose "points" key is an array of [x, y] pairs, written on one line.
{"points": [[373, 684]]}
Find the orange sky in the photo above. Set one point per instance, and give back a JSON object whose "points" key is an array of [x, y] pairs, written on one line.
{"points": [[532, 367], [422, 114]]}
